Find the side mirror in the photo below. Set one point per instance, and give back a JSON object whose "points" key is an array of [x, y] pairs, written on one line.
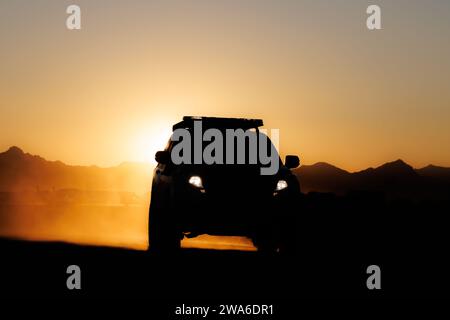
{"points": [[162, 157], [292, 162]]}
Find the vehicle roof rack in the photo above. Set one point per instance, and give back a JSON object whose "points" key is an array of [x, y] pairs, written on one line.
{"points": [[215, 122]]}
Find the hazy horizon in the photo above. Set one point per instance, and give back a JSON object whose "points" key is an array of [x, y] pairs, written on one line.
{"points": [[152, 164]]}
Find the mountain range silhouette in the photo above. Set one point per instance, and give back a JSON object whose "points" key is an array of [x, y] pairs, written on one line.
{"points": [[20, 171], [394, 179]]}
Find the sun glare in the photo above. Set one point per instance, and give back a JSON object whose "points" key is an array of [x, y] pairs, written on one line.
{"points": [[148, 142]]}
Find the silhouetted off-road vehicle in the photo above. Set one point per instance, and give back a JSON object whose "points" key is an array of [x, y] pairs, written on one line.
{"points": [[223, 198]]}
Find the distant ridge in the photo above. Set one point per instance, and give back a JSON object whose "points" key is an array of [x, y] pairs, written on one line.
{"points": [[442, 173], [396, 178], [322, 177], [14, 151], [324, 168], [20, 171]]}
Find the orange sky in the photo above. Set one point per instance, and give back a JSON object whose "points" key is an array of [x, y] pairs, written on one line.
{"points": [[338, 92]]}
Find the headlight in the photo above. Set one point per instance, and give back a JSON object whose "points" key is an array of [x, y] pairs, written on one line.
{"points": [[281, 184], [196, 181]]}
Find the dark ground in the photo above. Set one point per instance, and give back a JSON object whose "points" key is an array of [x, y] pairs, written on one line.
{"points": [[338, 239], [37, 270]]}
